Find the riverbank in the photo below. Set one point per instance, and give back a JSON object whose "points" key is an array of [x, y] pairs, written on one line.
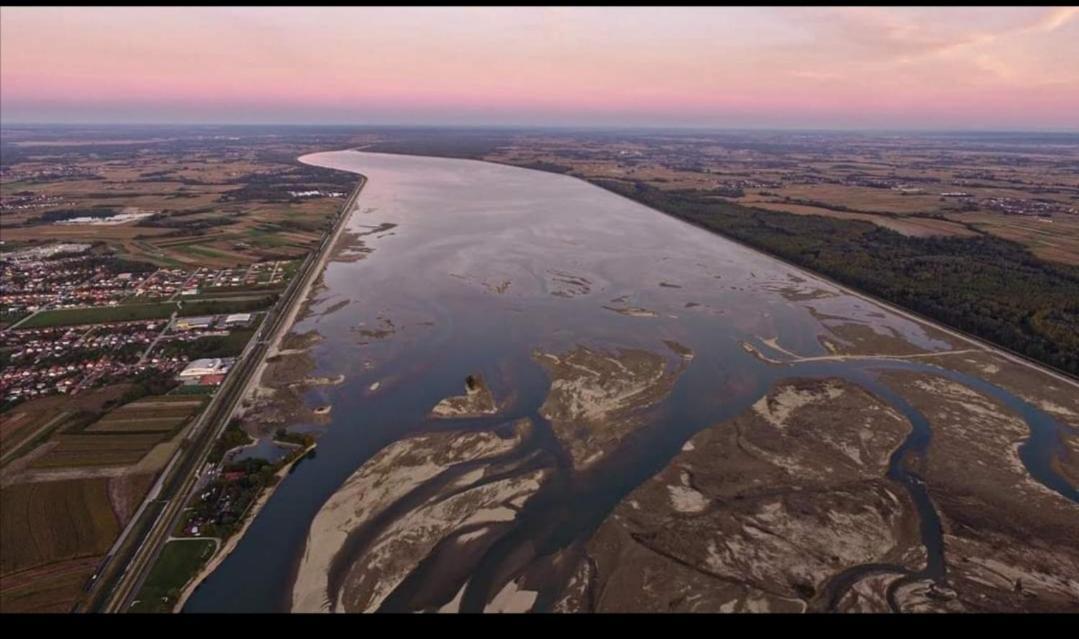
{"points": [[615, 401], [304, 295], [296, 359], [296, 354], [234, 540]]}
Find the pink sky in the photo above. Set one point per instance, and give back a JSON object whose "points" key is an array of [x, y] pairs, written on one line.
{"points": [[844, 67]]}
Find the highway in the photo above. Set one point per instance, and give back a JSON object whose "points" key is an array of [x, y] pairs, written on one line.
{"points": [[119, 579]]}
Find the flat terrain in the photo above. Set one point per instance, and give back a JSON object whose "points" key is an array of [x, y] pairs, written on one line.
{"points": [[978, 231], [179, 562], [54, 534], [666, 426], [227, 218], [916, 186], [699, 428], [193, 198]]}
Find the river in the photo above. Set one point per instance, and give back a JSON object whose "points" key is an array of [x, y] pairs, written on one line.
{"points": [[486, 263]]}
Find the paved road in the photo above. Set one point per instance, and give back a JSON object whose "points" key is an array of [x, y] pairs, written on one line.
{"points": [[25, 319], [125, 569], [168, 325]]}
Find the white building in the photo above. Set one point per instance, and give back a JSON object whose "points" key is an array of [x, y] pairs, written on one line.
{"points": [[189, 323], [200, 367], [238, 318]]}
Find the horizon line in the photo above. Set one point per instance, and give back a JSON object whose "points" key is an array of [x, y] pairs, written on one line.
{"points": [[578, 127]]}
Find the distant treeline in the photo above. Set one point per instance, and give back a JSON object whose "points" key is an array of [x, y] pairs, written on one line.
{"points": [[542, 165], [179, 221], [59, 215], [454, 143], [984, 285], [119, 264], [277, 187]]}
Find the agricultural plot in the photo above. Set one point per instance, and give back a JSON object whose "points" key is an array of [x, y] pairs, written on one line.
{"points": [[98, 449], [46, 522], [229, 345], [227, 292], [52, 588], [136, 312], [20, 426], [100, 314], [31, 423], [193, 390], [143, 424], [53, 535], [148, 415], [202, 199]]}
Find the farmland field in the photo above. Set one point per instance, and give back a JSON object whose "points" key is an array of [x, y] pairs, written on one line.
{"points": [[52, 538], [34, 420], [138, 424], [97, 449], [135, 312], [46, 522], [229, 345], [207, 202], [147, 415], [98, 314], [50, 588]]}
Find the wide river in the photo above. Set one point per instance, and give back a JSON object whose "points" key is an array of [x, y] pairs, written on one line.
{"points": [[486, 263]]}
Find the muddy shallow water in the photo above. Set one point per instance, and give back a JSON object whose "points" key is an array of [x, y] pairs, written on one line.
{"points": [[488, 264]]}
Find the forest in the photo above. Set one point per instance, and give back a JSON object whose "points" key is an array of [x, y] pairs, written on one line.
{"points": [[988, 287]]}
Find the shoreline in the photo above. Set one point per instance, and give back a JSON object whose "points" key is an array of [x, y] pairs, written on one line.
{"points": [[996, 349], [304, 296], [1002, 351], [224, 551], [310, 287]]}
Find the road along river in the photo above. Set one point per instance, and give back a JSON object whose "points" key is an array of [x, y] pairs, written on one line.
{"points": [[611, 335]]}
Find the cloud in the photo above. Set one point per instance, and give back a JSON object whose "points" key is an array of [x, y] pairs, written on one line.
{"points": [[1055, 18]]}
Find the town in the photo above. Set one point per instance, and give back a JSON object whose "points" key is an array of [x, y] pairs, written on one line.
{"points": [[77, 317]]}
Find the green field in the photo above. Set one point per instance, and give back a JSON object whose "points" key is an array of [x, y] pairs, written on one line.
{"points": [[180, 560], [135, 312], [229, 345], [188, 390], [100, 314], [219, 292]]}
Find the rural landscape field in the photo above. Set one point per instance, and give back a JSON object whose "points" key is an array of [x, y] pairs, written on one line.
{"points": [[95, 311], [539, 310]]}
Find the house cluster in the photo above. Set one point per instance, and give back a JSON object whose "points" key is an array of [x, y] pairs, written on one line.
{"points": [[40, 172], [180, 284], [1035, 207], [257, 274], [18, 383], [316, 193], [163, 283], [27, 201], [38, 361], [66, 281], [44, 361]]}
